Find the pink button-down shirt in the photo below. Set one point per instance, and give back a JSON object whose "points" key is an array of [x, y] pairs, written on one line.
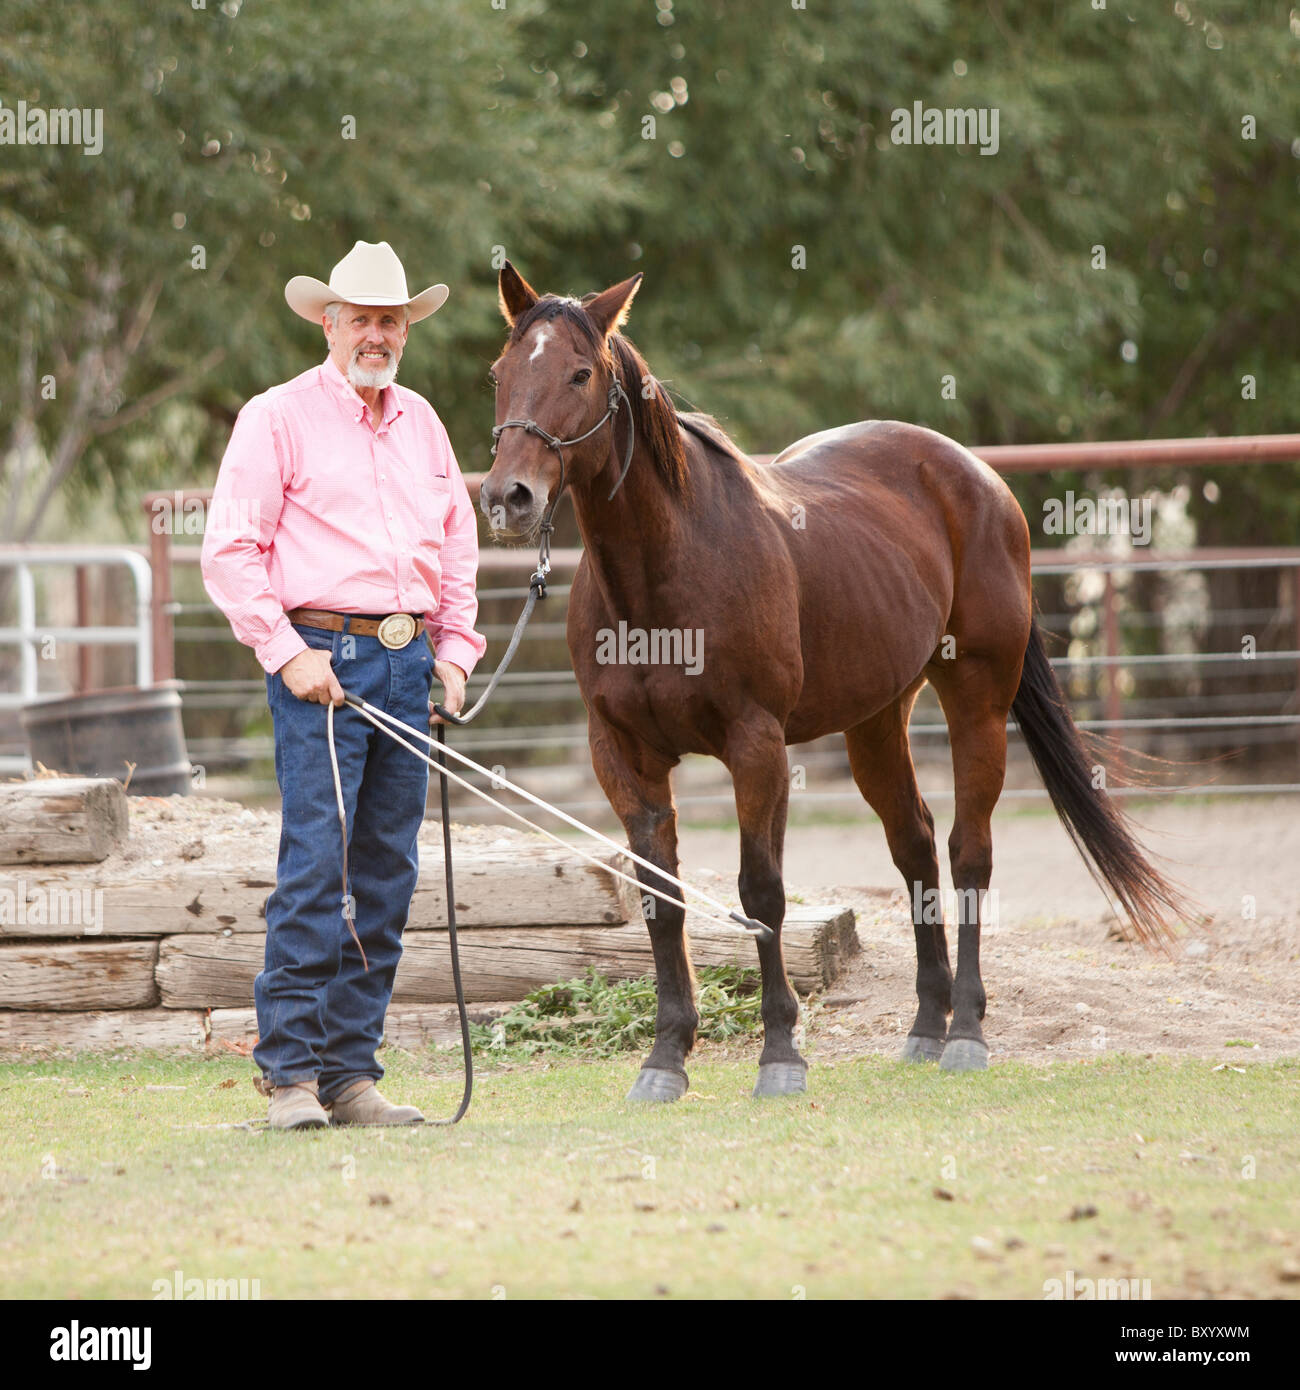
{"points": [[315, 509]]}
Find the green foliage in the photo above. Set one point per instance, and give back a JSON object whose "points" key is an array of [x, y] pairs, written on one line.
{"points": [[1119, 128], [522, 129], [597, 1018], [226, 142]]}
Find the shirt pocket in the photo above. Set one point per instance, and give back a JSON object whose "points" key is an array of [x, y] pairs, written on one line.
{"points": [[433, 501]]}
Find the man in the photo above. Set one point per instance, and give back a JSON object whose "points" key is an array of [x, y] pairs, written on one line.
{"points": [[340, 527]]}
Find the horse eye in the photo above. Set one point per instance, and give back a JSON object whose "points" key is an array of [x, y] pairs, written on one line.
{"points": [[492, 378], [580, 376]]}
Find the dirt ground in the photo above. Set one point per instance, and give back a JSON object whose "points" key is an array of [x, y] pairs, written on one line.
{"points": [[1057, 987]]}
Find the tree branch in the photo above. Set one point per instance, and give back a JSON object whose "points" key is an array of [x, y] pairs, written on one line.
{"points": [[147, 402]]}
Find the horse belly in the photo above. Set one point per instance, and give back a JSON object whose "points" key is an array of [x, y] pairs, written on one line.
{"points": [[867, 636]]}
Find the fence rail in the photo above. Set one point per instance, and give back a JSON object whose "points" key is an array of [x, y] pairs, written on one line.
{"points": [[1247, 716], [1250, 719]]}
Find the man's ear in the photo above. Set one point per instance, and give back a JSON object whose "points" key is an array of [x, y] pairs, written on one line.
{"points": [[608, 311], [514, 294]]}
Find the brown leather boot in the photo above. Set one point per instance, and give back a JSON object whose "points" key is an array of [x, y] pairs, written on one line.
{"points": [[293, 1107], [361, 1104]]}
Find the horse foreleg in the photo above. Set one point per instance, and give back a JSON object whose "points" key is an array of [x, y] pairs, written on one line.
{"points": [[638, 789], [757, 762]]}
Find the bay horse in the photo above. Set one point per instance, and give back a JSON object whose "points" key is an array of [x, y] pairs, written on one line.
{"points": [[827, 587]]}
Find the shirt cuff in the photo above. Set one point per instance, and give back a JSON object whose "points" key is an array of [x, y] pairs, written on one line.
{"points": [[281, 646], [459, 651]]}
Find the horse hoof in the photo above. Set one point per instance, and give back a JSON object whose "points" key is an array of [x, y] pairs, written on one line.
{"points": [[919, 1049], [781, 1079], [656, 1083], [965, 1054]]}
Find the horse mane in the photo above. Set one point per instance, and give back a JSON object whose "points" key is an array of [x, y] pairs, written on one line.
{"points": [[705, 427], [654, 417]]}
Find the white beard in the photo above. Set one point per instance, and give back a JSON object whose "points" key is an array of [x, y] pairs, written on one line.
{"points": [[360, 375]]}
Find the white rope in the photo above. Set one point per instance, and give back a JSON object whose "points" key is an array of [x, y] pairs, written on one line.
{"points": [[343, 830], [368, 711]]}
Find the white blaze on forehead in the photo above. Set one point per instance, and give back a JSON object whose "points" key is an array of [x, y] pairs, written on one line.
{"points": [[539, 342]]}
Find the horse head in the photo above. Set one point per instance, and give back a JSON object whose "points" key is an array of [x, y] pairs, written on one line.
{"points": [[557, 399]]}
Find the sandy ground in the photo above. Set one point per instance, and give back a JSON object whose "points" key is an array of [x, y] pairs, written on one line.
{"points": [[1057, 987]]}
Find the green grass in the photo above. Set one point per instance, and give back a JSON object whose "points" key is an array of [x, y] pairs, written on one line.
{"points": [[555, 1187]]}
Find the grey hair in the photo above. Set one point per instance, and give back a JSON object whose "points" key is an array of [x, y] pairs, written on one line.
{"points": [[333, 307]]}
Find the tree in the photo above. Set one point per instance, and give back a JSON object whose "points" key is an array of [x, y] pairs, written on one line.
{"points": [[141, 288]]}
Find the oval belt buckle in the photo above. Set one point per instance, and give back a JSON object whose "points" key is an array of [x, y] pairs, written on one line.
{"points": [[396, 630]]}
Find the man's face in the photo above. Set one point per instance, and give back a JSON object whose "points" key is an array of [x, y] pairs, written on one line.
{"points": [[367, 344]]}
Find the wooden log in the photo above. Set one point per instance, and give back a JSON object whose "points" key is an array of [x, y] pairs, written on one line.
{"points": [[149, 1029], [61, 820], [505, 963], [409, 1025], [516, 885], [67, 976]]}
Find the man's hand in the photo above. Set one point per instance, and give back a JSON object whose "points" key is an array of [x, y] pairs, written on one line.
{"points": [[310, 677], [453, 687]]}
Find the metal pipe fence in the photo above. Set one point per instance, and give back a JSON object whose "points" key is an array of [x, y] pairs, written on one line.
{"points": [[36, 639], [1197, 721], [1117, 685]]}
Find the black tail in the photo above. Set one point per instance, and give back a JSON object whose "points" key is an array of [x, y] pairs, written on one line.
{"points": [[1098, 828]]}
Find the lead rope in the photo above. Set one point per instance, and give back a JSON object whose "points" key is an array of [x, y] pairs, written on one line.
{"points": [[732, 921], [343, 831], [455, 945]]}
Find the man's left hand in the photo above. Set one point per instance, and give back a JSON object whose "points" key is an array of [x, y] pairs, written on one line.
{"points": [[453, 690]]}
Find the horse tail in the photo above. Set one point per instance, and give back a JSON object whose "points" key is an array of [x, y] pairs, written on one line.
{"points": [[1100, 831]]}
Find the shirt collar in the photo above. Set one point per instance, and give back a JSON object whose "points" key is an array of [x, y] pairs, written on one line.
{"points": [[352, 402]]}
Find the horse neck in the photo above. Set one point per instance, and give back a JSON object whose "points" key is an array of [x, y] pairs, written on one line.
{"points": [[635, 539]]}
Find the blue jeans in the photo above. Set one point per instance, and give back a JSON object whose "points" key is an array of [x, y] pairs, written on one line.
{"points": [[320, 1014]]}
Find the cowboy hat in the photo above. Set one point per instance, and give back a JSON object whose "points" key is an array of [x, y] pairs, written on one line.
{"points": [[369, 274]]}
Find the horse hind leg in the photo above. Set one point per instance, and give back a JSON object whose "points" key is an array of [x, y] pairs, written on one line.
{"points": [[975, 703], [760, 774], [881, 760]]}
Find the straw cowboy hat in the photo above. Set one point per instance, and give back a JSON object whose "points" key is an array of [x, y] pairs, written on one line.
{"points": [[369, 274]]}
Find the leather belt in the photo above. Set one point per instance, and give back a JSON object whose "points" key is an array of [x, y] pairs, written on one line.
{"points": [[395, 631]]}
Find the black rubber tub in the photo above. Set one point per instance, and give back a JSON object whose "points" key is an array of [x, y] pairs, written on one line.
{"points": [[98, 734]]}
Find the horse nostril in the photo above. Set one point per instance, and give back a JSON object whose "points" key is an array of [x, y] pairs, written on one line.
{"points": [[519, 495]]}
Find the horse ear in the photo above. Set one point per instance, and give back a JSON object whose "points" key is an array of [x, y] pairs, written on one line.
{"points": [[608, 311], [514, 294]]}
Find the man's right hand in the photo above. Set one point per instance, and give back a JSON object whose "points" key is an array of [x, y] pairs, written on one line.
{"points": [[310, 677]]}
